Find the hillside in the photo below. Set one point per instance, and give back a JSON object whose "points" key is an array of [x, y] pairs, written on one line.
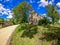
{"points": [[36, 37]]}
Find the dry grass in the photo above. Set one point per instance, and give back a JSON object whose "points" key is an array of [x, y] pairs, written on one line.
{"points": [[35, 40]]}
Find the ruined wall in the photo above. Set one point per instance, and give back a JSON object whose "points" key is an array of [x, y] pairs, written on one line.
{"points": [[34, 18]]}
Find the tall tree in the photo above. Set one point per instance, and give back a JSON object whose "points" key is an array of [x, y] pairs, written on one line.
{"points": [[1, 20], [52, 13], [21, 12]]}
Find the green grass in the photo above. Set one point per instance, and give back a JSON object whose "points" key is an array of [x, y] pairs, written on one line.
{"points": [[35, 40]]}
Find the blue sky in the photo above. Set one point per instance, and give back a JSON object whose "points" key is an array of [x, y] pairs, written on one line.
{"points": [[6, 6]]}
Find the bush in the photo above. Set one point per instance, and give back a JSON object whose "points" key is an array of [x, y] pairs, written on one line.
{"points": [[44, 21], [28, 30]]}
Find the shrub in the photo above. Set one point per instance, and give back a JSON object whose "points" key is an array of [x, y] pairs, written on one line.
{"points": [[28, 30], [44, 21]]}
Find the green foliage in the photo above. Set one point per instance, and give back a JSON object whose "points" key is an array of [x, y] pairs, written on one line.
{"points": [[12, 21], [53, 33], [2, 20], [52, 13], [44, 36], [29, 30], [23, 26], [22, 33], [44, 21], [21, 12]]}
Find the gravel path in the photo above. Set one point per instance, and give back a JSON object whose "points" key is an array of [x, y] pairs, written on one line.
{"points": [[5, 34]]}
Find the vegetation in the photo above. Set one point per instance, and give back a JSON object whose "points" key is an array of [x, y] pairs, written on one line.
{"points": [[52, 13], [2, 21], [44, 21], [24, 33], [36, 35], [21, 12], [53, 33], [12, 21], [45, 33]]}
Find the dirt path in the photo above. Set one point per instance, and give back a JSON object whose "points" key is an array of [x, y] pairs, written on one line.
{"points": [[5, 33]]}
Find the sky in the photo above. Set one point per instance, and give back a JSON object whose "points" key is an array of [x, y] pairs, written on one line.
{"points": [[39, 6]]}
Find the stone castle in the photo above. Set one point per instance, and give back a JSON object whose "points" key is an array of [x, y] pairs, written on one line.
{"points": [[34, 18]]}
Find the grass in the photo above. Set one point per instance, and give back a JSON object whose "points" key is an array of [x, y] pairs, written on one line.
{"points": [[37, 39]]}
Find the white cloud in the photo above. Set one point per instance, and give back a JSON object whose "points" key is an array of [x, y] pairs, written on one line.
{"points": [[50, 2], [5, 0], [58, 4], [10, 15], [32, 1], [2, 9], [44, 2], [5, 11], [44, 14]]}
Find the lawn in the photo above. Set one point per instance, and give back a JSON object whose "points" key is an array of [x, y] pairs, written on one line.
{"points": [[34, 37]]}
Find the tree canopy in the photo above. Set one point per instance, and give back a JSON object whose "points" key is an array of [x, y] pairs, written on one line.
{"points": [[52, 13], [21, 12], [2, 20]]}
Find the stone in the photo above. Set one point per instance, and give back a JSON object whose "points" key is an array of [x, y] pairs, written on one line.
{"points": [[34, 18]]}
